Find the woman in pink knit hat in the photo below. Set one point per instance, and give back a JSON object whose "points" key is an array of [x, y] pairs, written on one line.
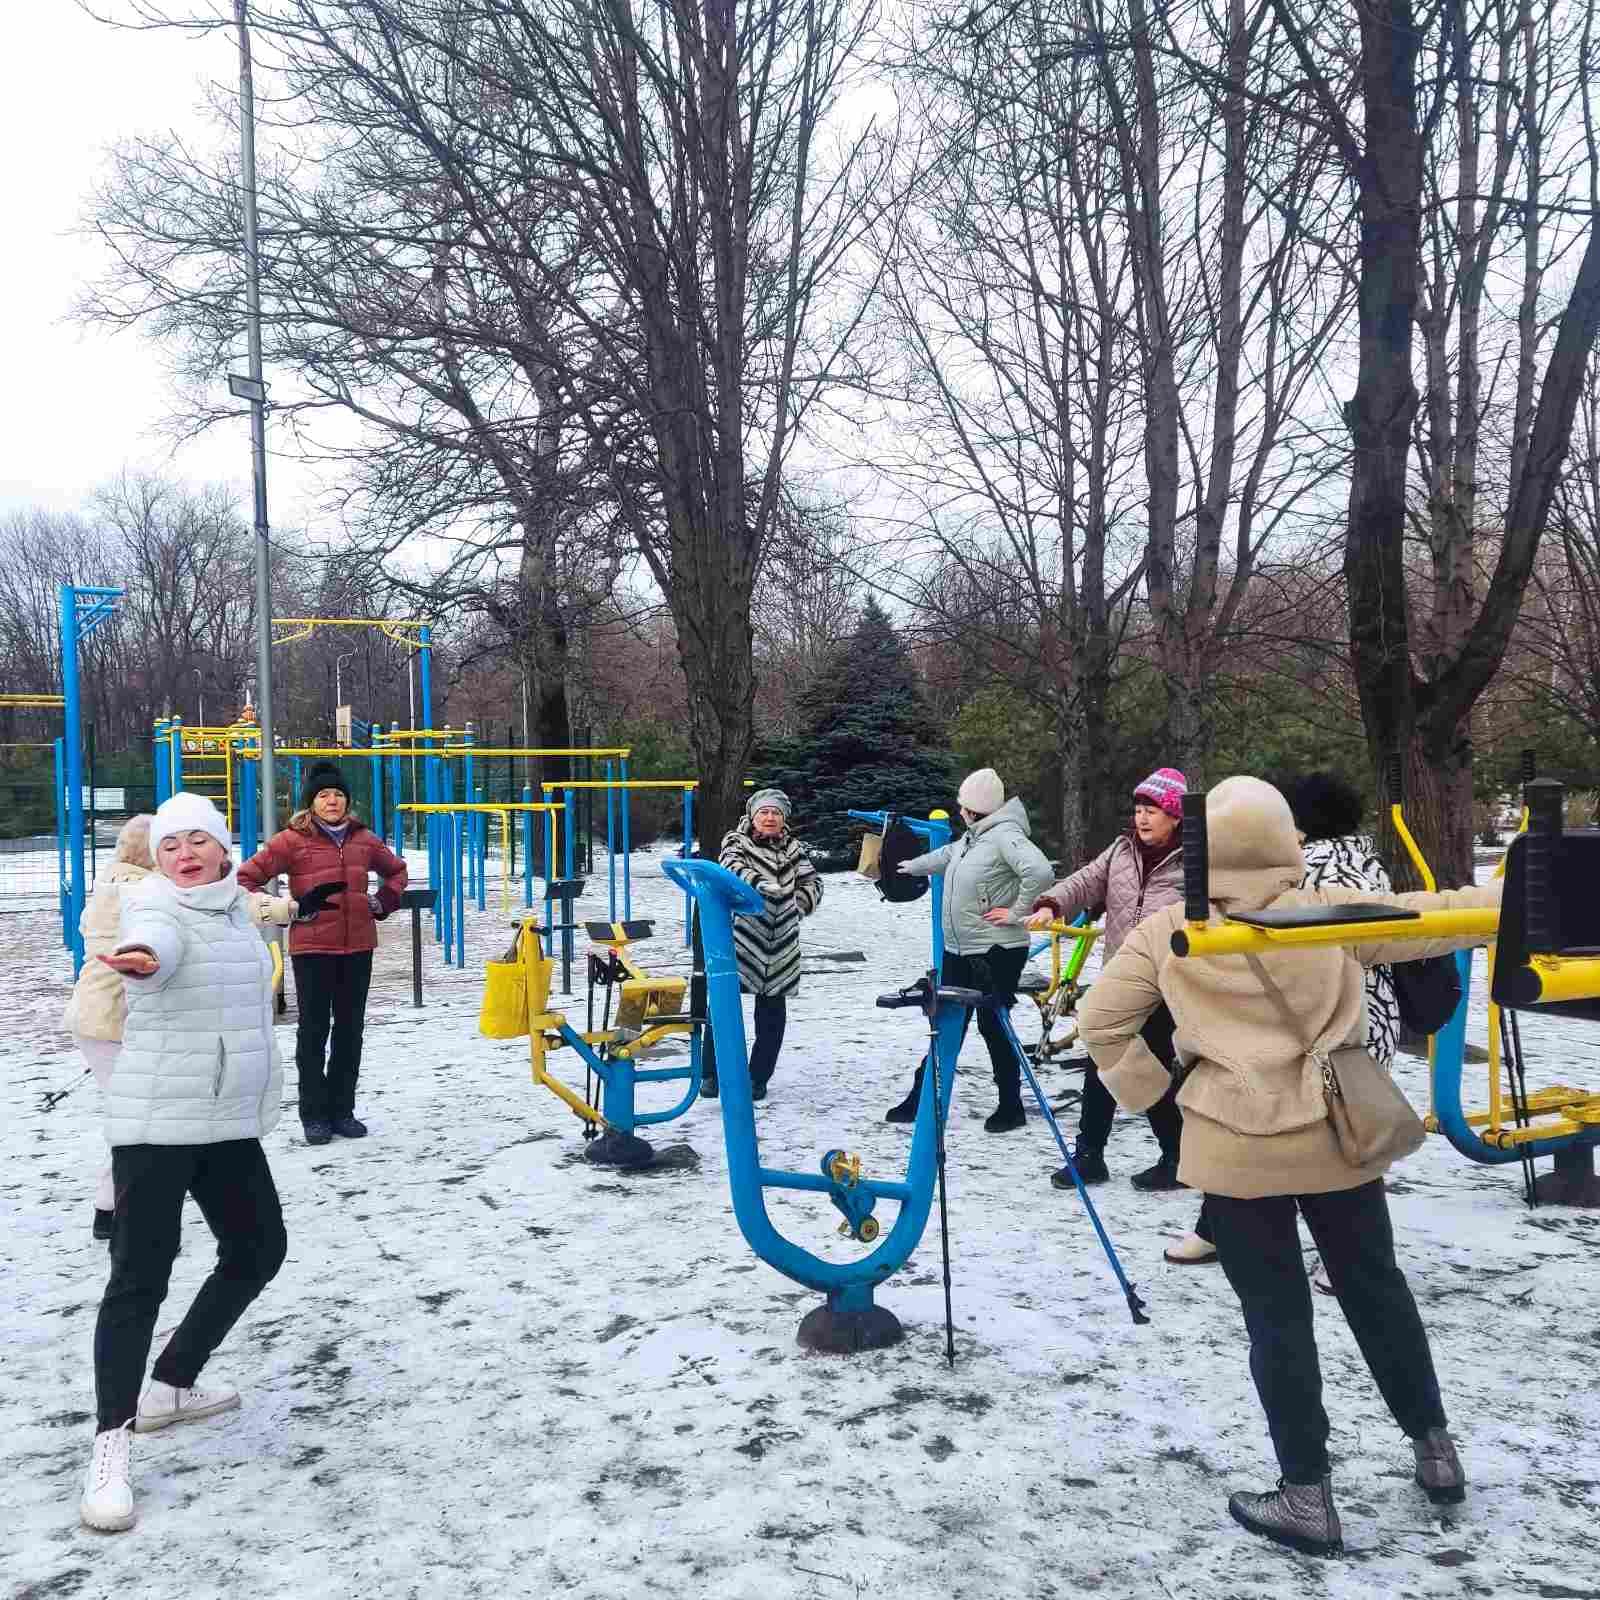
{"points": [[1139, 872]]}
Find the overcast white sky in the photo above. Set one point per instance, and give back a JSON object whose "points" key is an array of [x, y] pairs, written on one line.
{"points": [[78, 405]]}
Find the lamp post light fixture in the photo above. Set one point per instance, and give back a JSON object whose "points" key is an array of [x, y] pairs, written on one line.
{"points": [[338, 678]]}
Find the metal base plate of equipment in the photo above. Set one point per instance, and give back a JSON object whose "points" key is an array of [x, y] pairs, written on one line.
{"points": [[627, 1152], [616, 1149], [846, 1332], [1572, 1182]]}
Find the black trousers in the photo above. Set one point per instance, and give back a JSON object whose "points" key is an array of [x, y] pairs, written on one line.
{"points": [[772, 1015], [233, 1187], [994, 972], [1258, 1245], [330, 989], [1166, 1120]]}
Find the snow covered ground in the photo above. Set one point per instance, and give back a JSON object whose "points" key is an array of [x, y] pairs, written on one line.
{"points": [[488, 1369]]}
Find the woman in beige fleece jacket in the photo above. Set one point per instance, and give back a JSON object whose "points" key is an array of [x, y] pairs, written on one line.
{"points": [[1257, 1140]]}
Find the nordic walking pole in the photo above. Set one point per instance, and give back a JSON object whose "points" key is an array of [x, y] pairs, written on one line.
{"points": [[1135, 1304], [932, 1006], [54, 1097]]}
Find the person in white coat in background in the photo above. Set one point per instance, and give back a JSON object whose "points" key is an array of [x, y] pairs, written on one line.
{"points": [[198, 1084]]}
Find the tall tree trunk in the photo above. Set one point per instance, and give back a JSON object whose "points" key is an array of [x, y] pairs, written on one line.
{"points": [[1380, 413]]}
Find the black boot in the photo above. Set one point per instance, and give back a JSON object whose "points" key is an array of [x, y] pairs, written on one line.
{"points": [[102, 1224], [906, 1111], [1090, 1161], [1006, 1116], [1163, 1175]]}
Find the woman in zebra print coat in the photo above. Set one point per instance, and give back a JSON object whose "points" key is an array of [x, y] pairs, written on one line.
{"points": [[761, 850]]}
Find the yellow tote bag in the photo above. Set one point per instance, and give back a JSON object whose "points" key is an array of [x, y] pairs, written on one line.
{"points": [[871, 849], [504, 1014]]}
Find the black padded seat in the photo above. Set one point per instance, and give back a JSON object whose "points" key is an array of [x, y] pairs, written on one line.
{"points": [[1323, 916], [618, 932], [1032, 983], [1577, 912]]}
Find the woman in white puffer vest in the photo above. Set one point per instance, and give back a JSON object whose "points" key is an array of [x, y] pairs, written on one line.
{"points": [[198, 1083], [97, 1011]]}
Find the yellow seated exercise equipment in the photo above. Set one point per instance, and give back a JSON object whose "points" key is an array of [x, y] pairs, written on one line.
{"points": [[1544, 957], [516, 1002]]}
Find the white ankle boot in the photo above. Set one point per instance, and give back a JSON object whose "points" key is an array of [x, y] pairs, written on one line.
{"points": [[107, 1502], [164, 1405]]}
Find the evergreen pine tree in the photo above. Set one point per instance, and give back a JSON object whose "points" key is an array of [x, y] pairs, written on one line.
{"points": [[869, 743]]}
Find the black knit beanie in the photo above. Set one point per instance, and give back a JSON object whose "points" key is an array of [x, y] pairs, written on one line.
{"points": [[323, 776]]}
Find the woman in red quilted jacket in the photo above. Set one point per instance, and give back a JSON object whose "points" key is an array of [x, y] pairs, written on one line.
{"points": [[327, 853]]}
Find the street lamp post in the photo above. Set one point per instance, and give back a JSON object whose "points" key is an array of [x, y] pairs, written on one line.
{"points": [[253, 388], [200, 697], [338, 679]]}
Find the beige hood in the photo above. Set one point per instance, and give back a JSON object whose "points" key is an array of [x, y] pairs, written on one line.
{"points": [[1251, 844]]}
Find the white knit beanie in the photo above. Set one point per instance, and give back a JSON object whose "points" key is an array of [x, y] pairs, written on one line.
{"points": [[188, 813], [982, 791]]}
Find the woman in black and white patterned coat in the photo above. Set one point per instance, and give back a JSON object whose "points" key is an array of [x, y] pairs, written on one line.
{"points": [[1327, 811], [761, 850]]}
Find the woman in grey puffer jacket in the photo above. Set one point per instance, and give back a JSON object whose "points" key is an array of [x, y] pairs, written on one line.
{"points": [[992, 874]]}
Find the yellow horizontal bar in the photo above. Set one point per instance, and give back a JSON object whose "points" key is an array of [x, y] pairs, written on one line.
{"points": [[1566, 977], [1238, 939], [1072, 930], [631, 783], [482, 805], [1510, 1138], [348, 622], [519, 750], [1541, 1103], [36, 702]]}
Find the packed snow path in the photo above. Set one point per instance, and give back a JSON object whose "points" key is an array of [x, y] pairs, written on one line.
{"points": [[488, 1369]]}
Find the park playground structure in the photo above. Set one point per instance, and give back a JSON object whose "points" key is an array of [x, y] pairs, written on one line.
{"points": [[443, 777]]}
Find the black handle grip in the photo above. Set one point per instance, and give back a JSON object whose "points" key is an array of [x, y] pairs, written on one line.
{"points": [[1529, 772], [1196, 873], [1542, 920], [1394, 778], [914, 994]]}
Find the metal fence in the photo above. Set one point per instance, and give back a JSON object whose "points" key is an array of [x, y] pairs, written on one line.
{"points": [[31, 866]]}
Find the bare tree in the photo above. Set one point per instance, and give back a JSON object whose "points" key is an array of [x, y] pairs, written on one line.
{"points": [[804, 606], [682, 154], [1017, 419], [1110, 262], [1504, 79]]}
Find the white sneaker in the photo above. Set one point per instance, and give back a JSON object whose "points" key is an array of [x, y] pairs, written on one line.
{"points": [[163, 1405], [1320, 1281], [1191, 1251], [107, 1502]]}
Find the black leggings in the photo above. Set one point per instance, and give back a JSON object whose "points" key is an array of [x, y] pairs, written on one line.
{"points": [[772, 1015], [330, 990], [233, 1187], [1258, 1244], [995, 972], [1166, 1120]]}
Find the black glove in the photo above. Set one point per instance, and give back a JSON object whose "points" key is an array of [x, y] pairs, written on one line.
{"points": [[315, 900]]}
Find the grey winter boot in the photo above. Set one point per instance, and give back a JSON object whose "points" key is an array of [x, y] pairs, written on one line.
{"points": [[1439, 1472], [1300, 1515]]}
